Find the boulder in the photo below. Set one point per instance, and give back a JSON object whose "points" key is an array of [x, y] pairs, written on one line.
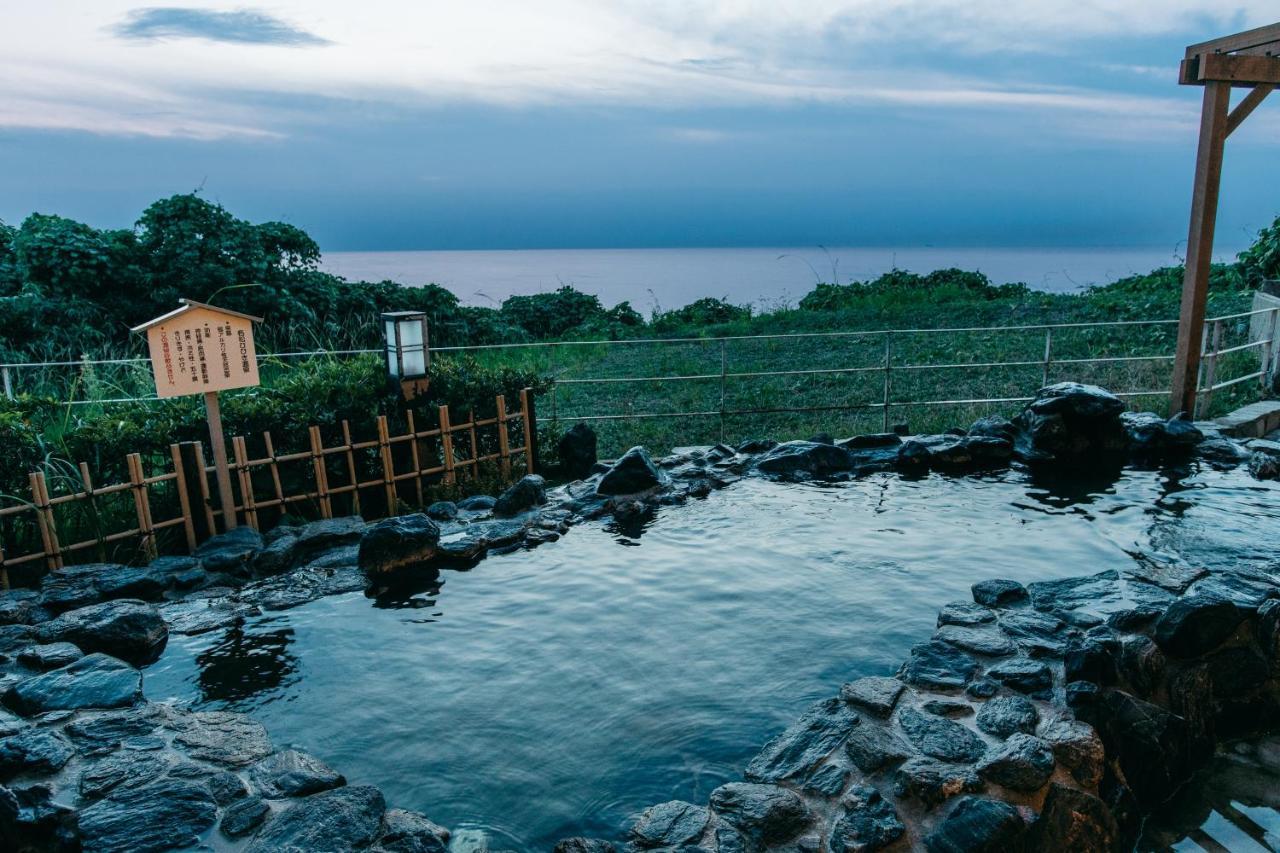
{"points": [[1153, 438], [805, 457], [994, 426], [443, 511], [1069, 422], [764, 814], [319, 537], [1041, 634], [529, 491], [1077, 747], [243, 817], [576, 451], [939, 737], [1025, 676], [669, 825], [163, 815], [966, 614], [1197, 624], [411, 832], [133, 631], [94, 681], [872, 440], [933, 782], [1069, 593], [1007, 715], [868, 823], [50, 655], [1154, 747], [876, 694], [1023, 762], [938, 665], [1091, 658], [798, 750], [872, 747], [342, 819], [293, 774], [232, 552], [396, 543], [633, 474], [223, 737], [978, 825], [1072, 819], [105, 732], [477, 503], [20, 607], [998, 592], [33, 750]]}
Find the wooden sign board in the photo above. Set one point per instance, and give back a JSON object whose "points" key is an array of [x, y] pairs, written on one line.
{"points": [[198, 349]]}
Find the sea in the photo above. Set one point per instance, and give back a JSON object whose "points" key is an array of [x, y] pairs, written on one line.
{"points": [[765, 278]]}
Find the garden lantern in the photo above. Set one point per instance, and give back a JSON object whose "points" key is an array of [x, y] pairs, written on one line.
{"points": [[407, 352]]}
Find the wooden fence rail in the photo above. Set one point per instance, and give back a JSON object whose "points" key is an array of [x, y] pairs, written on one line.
{"points": [[426, 456]]}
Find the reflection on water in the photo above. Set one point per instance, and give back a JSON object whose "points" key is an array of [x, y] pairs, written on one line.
{"points": [[558, 691]]}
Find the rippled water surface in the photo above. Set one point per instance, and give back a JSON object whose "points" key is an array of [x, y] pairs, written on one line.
{"points": [[557, 691]]}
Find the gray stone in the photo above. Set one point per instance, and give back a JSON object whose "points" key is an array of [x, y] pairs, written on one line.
{"points": [[411, 832], [805, 457], [94, 681], [868, 823], [1070, 593], [1173, 577], [477, 503], [805, 743], [978, 825], [948, 708], [940, 738], [399, 542], [104, 732], [342, 819], [133, 631], [585, 845], [669, 824], [1244, 587], [164, 815], [243, 817], [30, 820], [1026, 676], [977, 640], [872, 747], [874, 693], [443, 511], [1072, 819], [124, 767], [965, 613], [1040, 634], [938, 665], [50, 655], [33, 750], [998, 592], [632, 474], [293, 774], [765, 814], [223, 737], [74, 586], [576, 450], [1006, 715], [1078, 748], [19, 606], [319, 537], [526, 493], [932, 782], [1023, 763], [232, 552], [828, 780], [1197, 624]]}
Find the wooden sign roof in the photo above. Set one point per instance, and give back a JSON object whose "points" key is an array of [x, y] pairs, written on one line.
{"points": [[190, 305]]}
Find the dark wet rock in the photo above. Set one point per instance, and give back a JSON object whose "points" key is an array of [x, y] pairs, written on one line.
{"points": [[1072, 819], [243, 817], [1070, 421], [576, 450], [20, 607], [875, 694], [670, 824], [1247, 589], [938, 665], [1236, 671], [146, 583], [966, 614], [124, 767], [293, 774], [805, 743], [632, 474], [204, 615], [978, 825], [1153, 745], [805, 457], [1267, 630], [1091, 658], [50, 655], [163, 815], [998, 592], [1078, 748], [878, 439], [1026, 676], [1221, 453], [1070, 593], [1141, 663], [104, 732], [232, 552], [764, 814], [1007, 715], [1082, 694], [948, 708], [939, 737], [14, 638], [411, 832], [932, 782], [341, 819], [980, 641], [1134, 618], [133, 631], [872, 747], [526, 493], [277, 555], [95, 681], [994, 426], [1023, 762], [33, 750], [223, 737], [319, 537], [30, 820], [1197, 624], [442, 511], [584, 845], [1040, 634], [868, 823], [757, 445], [477, 503], [982, 688], [10, 723], [828, 780], [74, 586], [1152, 437], [398, 542]]}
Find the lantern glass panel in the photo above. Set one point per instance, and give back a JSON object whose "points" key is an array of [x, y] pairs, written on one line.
{"points": [[413, 354], [389, 327]]}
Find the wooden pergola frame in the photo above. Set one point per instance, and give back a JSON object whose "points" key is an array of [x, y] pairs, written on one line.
{"points": [[1245, 60]]}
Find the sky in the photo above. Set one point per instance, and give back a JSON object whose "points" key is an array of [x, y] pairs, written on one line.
{"points": [[630, 123]]}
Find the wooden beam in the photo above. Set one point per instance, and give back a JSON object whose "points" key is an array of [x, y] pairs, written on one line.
{"points": [[1248, 105], [1239, 70], [1262, 38], [1204, 215]]}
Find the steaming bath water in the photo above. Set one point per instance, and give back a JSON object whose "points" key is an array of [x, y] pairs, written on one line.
{"points": [[554, 692]]}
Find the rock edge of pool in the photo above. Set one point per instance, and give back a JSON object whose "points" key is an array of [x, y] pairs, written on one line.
{"points": [[1055, 715]]}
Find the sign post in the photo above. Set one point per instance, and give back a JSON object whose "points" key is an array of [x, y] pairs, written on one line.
{"points": [[200, 349]]}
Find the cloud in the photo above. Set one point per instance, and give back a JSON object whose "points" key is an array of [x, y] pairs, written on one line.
{"points": [[244, 26]]}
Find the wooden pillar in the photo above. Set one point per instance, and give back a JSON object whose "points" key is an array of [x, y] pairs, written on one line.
{"points": [[218, 445], [1204, 215]]}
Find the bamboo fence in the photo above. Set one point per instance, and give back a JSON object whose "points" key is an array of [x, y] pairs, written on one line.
{"points": [[443, 454]]}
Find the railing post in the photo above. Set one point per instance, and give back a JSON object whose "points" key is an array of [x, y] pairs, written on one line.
{"points": [[8, 385], [1269, 354], [888, 373], [530, 418], [724, 373], [1048, 356], [555, 387], [1211, 370]]}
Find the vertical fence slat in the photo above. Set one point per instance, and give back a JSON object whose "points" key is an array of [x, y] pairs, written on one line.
{"points": [[184, 499], [351, 468], [275, 470], [413, 453], [888, 374], [446, 444], [530, 440], [45, 521], [1048, 356], [321, 475], [91, 498], [245, 477], [504, 444], [142, 505], [388, 469]]}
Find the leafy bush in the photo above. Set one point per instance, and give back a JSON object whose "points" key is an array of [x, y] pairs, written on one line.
{"points": [[551, 315], [1261, 261]]}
